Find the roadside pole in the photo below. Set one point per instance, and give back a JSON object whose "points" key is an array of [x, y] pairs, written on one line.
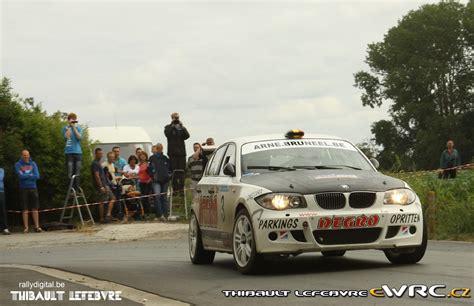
{"points": [[431, 214]]}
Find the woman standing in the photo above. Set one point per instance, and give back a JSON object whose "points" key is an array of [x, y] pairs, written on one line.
{"points": [[145, 181]]}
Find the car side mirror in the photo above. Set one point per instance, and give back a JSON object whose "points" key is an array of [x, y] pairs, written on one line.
{"points": [[375, 163], [229, 169]]}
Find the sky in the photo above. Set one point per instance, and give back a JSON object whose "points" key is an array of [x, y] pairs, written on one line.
{"points": [[230, 69]]}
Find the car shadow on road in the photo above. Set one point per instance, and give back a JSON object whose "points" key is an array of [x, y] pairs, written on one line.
{"points": [[309, 264]]}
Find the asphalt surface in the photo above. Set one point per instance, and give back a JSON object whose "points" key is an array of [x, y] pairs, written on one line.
{"points": [[163, 267]]}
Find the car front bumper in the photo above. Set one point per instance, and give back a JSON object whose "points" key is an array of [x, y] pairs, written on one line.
{"points": [[306, 230]]}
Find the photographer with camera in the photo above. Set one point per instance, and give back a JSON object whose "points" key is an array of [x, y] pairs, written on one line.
{"points": [[73, 136], [176, 134]]}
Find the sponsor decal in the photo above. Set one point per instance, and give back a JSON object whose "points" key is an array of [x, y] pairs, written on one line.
{"points": [[333, 176], [348, 222], [404, 231], [283, 235], [254, 194], [222, 209], [278, 224], [295, 143], [404, 218], [208, 210], [308, 214], [224, 188]]}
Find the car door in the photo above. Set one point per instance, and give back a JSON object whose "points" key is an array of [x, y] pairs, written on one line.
{"points": [[208, 192], [226, 198]]}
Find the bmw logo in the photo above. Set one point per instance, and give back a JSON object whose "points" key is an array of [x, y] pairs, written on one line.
{"points": [[345, 187]]}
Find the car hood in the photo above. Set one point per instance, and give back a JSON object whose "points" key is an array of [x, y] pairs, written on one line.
{"points": [[315, 181]]}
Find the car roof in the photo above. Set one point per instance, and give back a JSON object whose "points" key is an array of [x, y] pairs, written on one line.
{"points": [[242, 140]]}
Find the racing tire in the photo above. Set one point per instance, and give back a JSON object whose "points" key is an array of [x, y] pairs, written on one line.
{"points": [[244, 250], [333, 253], [197, 253], [398, 257]]}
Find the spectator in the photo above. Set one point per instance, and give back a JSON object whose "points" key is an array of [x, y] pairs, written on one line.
{"points": [[449, 159], [138, 151], [131, 170], [176, 134], [101, 184], [160, 164], [3, 210], [145, 181], [196, 164], [119, 161], [210, 142], [28, 173], [111, 172], [111, 169], [73, 135]]}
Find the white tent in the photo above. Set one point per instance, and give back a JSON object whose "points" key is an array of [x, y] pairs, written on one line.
{"points": [[128, 138]]}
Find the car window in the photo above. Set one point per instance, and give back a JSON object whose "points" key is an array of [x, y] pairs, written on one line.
{"points": [[208, 165], [229, 157], [214, 167]]}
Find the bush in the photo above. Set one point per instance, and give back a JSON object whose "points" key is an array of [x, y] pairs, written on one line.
{"points": [[25, 125]]}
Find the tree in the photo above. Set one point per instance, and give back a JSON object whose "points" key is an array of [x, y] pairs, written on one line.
{"points": [[25, 125], [424, 68]]}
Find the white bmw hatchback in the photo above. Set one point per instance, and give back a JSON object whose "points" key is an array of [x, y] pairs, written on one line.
{"points": [[277, 195]]}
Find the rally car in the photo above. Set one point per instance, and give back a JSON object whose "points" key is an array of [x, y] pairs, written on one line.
{"points": [[289, 194]]}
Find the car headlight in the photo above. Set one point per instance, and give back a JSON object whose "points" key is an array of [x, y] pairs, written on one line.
{"points": [[281, 201], [402, 196]]}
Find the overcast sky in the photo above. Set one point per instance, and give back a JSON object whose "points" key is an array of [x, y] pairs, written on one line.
{"points": [[229, 68]]}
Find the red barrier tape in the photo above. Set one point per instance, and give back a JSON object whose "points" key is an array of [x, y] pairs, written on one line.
{"points": [[92, 204], [426, 172]]}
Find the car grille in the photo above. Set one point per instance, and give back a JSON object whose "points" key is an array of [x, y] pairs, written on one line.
{"points": [[392, 231], [331, 200], [298, 235], [347, 236], [361, 199]]}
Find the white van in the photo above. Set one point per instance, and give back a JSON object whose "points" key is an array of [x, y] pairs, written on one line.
{"points": [[128, 138]]}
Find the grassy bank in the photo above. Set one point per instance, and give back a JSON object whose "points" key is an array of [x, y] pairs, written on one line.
{"points": [[453, 203]]}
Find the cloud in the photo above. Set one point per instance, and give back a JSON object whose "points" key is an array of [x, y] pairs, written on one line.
{"points": [[230, 69]]}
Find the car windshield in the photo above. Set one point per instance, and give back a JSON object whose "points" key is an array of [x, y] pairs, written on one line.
{"points": [[295, 154]]}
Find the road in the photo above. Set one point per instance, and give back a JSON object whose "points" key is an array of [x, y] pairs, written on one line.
{"points": [[163, 267]]}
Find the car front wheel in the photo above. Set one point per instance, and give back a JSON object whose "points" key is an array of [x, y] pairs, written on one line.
{"points": [[197, 253], [409, 256], [246, 258]]}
